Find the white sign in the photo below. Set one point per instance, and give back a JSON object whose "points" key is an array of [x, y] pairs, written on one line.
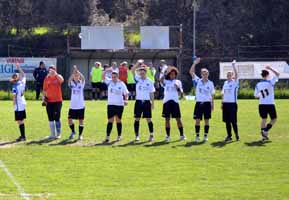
{"points": [[252, 70], [8, 66], [101, 37], [155, 37]]}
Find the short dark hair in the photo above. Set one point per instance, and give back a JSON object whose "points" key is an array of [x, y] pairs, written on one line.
{"points": [[264, 73], [41, 63]]}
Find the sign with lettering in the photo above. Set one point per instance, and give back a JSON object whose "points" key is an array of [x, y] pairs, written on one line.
{"points": [[252, 70], [8, 66]]}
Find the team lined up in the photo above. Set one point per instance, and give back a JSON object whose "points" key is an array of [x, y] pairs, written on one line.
{"points": [[118, 95]]}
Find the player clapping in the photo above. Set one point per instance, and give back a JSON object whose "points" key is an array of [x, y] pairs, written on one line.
{"points": [[117, 99], [144, 99], [171, 107], [76, 83], [52, 99]]}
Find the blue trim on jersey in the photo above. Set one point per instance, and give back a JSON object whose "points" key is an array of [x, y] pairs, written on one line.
{"points": [[15, 91], [235, 94]]}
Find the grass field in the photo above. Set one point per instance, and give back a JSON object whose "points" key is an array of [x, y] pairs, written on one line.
{"points": [[63, 169]]}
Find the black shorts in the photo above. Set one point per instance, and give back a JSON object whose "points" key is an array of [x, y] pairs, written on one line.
{"points": [[230, 112], [76, 113], [103, 87], [97, 85], [142, 109], [171, 109], [131, 87], [53, 111], [265, 110], [203, 109], [20, 115], [114, 111]]}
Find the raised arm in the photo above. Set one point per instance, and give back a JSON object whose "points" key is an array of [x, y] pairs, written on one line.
{"points": [[60, 78], [70, 79], [21, 72], [235, 69], [273, 70], [193, 67], [136, 66], [81, 77]]}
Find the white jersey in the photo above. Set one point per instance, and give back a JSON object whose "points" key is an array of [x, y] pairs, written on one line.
{"points": [[144, 87], [18, 90], [230, 91], [163, 70], [265, 91], [77, 97], [171, 90], [116, 92], [204, 90]]}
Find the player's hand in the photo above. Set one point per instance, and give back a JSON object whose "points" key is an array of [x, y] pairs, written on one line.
{"points": [[52, 72], [152, 106], [75, 70], [268, 68], [125, 102], [212, 107], [17, 66], [140, 62], [197, 61]]}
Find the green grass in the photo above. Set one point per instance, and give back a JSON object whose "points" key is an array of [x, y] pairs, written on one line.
{"points": [[180, 170]]}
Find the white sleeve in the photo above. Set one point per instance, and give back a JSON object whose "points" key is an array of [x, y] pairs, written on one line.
{"points": [[274, 80], [223, 92], [125, 90], [152, 88], [181, 87], [256, 93], [137, 78], [165, 67], [23, 80], [213, 91], [195, 79]]}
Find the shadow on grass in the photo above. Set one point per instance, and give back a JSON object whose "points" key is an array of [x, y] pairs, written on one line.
{"points": [[221, 144], [106, 143], [64, 142], [132, 143], [8, 143], [258, 143], [41, 142], [190, 144], [156, 144]]}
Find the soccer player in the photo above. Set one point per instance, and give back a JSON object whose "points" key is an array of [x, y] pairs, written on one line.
{"points": [[204, 99], [96, 81], [162, 70], [151, 72], [144, 100], [52, 99], [265, 92], [131, 82], [76, 83], [123, 70], [117, 99], [19, 82], [229, 103], [105, 73], [171, 109]]}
